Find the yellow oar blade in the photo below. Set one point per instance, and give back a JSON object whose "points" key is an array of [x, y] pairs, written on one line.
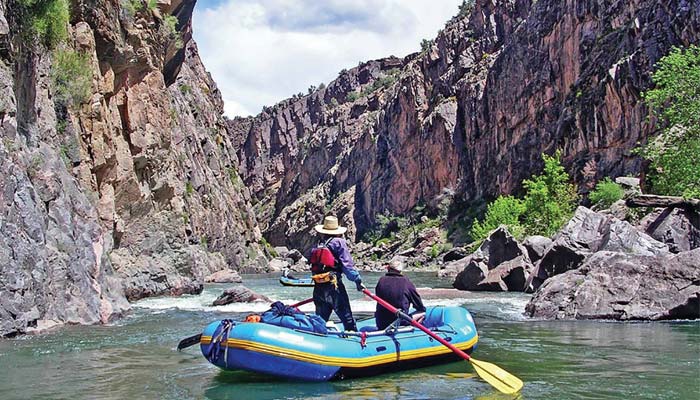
{"points": [[460, 375], [499, 378]]}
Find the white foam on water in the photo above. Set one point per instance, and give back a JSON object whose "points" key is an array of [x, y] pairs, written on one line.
{"points": [[185, 302], [203, 302], [507, 307]]}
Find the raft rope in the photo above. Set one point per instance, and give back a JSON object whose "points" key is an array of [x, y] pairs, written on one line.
{"points": [[221, 337], [363, 340]]}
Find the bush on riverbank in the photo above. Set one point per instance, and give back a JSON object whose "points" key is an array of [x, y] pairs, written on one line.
{"points": [[550, 200], [505, 210], [674, 169], [606, 192]]}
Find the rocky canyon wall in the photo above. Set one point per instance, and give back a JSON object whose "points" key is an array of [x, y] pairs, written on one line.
{"points": [[468, 116], [133, 191]]}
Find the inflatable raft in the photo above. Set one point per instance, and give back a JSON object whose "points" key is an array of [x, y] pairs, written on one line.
{"points": [[291, 281], [311, 356]]}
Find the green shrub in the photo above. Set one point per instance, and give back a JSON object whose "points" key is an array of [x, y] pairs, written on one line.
{"points": [[71, 76], [233, 176], [270, 250], [465, 8], [48, 20], [548, 204], [435, 251], [353, 96], [135, 5], [606, 192], [425, 45], [382, 241], [505, 210], [386, 226], [676, 97], [185, 88], [170, 22], [381, 82], [169, 29], [674, 169], [550, 199]]}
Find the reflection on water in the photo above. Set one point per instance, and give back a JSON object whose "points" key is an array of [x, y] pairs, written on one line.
{"points": [[429, 383], [136, 357]]}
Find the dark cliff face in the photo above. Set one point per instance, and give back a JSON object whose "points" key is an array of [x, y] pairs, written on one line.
{"points": [[133, 192], [471, 114]]}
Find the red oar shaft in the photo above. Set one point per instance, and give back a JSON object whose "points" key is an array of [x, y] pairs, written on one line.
{"points": [[416, 324], [301, 303]]}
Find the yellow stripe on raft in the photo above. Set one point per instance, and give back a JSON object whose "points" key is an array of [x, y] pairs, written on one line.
{"points": [[341, 361]]}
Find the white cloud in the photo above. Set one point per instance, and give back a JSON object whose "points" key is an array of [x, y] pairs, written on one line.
{"points": [[260, 52]]}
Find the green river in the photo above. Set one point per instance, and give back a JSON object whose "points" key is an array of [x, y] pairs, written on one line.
{"points": [[135, 358]]}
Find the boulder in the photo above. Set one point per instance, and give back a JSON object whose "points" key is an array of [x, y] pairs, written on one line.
{"points": [[510, 275], [295, 255], [225, 276], [618, 209], [500, 264], [586, 233], [300, 266], [630, 185], [623, 286], [426, 239], [454, 254], [536, 246], [239, 294], [176, 269], [453, 268], [501, 246], [678, 228], [282, 251], [409, 252], [513, 273], [277, 265], [474, 272]]}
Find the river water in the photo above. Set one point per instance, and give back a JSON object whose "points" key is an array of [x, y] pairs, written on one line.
{"points": [[135, 358]]}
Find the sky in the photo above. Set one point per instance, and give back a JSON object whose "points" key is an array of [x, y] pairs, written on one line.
{"points": [[260, 52]]}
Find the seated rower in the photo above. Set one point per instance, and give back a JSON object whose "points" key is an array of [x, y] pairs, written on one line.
{"points": [[398, 291]]}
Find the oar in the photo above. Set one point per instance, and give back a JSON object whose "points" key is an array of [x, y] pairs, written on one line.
{"points": [[189, 341], [194, 339], [491, 373]]}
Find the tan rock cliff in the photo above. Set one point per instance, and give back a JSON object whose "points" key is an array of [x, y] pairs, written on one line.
{"points": [[134, 192]]}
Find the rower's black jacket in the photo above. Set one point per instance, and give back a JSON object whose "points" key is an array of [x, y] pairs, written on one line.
{"points": [[398, 291]]}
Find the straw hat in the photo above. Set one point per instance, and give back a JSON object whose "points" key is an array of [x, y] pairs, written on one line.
{"points": [[330, 226]]}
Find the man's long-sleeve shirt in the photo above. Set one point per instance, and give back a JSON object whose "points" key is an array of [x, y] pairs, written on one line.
{"points": [[398, 291], [339, 247]]}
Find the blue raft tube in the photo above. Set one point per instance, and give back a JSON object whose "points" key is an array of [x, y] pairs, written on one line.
{"points": [[303, 355]]}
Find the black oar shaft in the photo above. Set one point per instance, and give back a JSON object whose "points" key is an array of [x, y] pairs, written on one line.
{"points": [[190, 341]]}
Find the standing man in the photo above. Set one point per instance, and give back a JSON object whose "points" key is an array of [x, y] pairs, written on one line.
{"points": [[398, 291], [329, 261]]}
